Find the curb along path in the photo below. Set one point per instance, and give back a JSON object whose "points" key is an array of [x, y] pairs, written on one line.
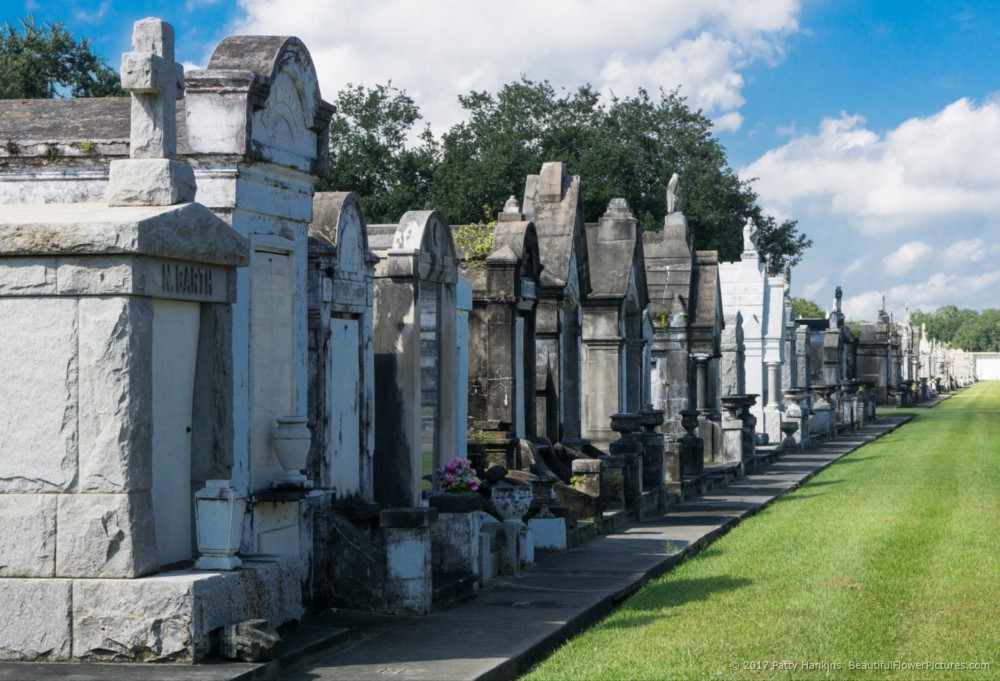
{"points": [[510, 625], [502, 630]]}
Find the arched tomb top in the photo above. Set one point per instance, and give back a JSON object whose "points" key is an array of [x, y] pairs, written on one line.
{"points": [[521, 240], [423, 238], [289, 121], [339, 221]]}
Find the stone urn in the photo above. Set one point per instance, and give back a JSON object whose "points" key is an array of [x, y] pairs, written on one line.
{"points": [[789, 428], [625, 423], [290, 441], [511, 502], [689, 420], [218, 510], [543, 494], [651, 419]]}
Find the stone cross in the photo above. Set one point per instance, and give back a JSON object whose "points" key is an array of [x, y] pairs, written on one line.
{"points": [[152, 176], [155, 81]]}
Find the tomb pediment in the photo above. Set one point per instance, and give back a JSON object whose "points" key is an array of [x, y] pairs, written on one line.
{"points": [[422, 247], [270, 81]]}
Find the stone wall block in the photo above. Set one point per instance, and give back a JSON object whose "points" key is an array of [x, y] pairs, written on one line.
{"points": [[28, 539], [105, 535], [116, 394], [35, 619], [136, 622], [38, 395], [28, 276]]}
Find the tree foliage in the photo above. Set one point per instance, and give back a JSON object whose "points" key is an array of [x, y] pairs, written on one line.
{"points": [[964, 329], [626, 147], [42, 62], [807, 309], [369, 154]]}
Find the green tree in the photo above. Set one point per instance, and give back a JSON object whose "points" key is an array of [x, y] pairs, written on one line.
{"points": [[369, 153], [627, 148], [944, 323], [42, 62], [980, 334], [807, 309]]}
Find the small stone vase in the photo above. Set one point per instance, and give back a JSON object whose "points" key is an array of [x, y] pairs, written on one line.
{"points": [[290, 441]]}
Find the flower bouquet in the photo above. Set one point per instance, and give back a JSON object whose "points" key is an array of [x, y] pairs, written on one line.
{"points": [[458, 477]]}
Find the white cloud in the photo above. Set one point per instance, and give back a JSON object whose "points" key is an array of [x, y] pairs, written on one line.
{"points": [[906, 257], [731, 122], [856, 265], [927, 171], [809, 292], [94, 16], [974, 291], [436, 51], [965, 251]]}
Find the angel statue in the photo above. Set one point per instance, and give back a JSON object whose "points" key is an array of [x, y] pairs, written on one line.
{"points": [[674, 194], [750, 236]]}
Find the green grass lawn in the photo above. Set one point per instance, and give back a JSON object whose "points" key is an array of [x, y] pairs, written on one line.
{"points": [[892, 555]]}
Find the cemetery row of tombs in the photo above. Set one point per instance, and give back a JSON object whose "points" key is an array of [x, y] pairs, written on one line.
{"points": [[240, 407]]}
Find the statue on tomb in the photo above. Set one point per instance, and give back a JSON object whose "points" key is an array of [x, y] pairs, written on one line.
{"points": [[751, 235], [674, 194]]}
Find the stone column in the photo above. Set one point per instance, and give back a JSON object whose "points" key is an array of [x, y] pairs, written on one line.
{"points": [[732, 430], [613, 481], [701, 382], [653, 451], [773, 384], [692, 446], [630, 449]]}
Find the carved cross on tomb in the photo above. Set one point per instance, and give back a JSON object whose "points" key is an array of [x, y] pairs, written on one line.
{"points": [[155, 81]]}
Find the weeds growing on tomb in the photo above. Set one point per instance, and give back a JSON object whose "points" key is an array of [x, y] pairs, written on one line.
{"points": [[891, 555]]}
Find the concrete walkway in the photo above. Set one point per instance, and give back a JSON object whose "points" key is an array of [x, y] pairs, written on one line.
{"points": [[513, 623]]}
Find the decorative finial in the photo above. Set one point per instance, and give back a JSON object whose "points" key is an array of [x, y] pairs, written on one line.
{"points": [[512, 206]]}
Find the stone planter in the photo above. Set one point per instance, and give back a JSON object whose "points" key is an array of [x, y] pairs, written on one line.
{"points": [[290, 441], [510, 501], [219, 523]]}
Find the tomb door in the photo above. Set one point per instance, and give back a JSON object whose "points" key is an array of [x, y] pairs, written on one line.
{"points": [[343, 447], [519, 377], [569, 373], [175, 351], [429, 304], [272, 356]]}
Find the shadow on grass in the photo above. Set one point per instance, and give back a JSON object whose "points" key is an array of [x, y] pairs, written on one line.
{"points": [[852, 459], [648, 604]]}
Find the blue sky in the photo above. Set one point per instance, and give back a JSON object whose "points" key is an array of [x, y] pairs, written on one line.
{"points": [[874, 123]]}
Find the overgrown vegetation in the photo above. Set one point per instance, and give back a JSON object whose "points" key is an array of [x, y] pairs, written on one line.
{"points": [[964, 329], [474, 241], [46, 61], [892, 554], [807, 309], [626, 147]]}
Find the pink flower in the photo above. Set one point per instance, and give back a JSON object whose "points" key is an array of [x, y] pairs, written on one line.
{"points": [[473, 484]]}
